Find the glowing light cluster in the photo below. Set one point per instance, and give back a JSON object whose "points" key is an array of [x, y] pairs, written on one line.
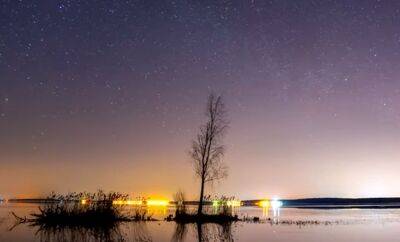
{"points": [[276, 204], [216, 203], [128, 202], [157, 202], [141, 202], [230, 203], [234, 203], [84, 201], [264, 203]]}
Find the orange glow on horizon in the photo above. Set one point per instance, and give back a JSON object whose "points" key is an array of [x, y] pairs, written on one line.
{"points": [[264, 203], [152, 202], [128, 202]]}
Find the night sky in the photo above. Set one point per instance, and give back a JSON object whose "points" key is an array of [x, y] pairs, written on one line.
{"points": [[108, 94]]}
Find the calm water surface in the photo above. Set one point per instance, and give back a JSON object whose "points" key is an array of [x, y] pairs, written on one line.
{"points": [[335, 225]]}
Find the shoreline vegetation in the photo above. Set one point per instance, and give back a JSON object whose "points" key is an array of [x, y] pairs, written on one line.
{"points": [[82, 210], [99, 211], [306, 203], [106, 210], [223, 213]]}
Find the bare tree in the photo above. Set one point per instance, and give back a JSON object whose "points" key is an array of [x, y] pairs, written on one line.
{"points": [[207, 149]]}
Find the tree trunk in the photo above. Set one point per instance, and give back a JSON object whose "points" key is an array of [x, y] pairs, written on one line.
{"points": [[200, 208], [199, 232]]}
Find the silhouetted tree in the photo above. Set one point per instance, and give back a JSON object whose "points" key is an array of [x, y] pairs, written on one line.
{"points": [[207, 149]]}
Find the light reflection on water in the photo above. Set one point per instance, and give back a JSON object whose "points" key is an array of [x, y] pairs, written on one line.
{"points": [[348, 225], [140, 231]]}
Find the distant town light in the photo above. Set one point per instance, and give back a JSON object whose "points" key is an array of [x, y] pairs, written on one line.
{"points": [[234, 203], [230, 203], [264, 203], [157, 202], [216, 203], [134, 202], [128, 202], [276, 203], [83, 201]]}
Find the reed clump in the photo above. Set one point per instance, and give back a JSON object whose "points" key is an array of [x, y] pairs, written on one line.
{"points": [[83, 209], [221, 216]]}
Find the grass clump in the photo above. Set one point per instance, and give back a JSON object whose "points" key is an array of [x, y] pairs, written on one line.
{"points": [[222, 215], [84, 210], [141, 214]]}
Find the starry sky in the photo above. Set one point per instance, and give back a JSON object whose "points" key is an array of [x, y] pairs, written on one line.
{"points": [[108, 94]]}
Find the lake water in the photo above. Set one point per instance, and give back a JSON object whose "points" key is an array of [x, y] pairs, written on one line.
{"points": [[317, 225]]}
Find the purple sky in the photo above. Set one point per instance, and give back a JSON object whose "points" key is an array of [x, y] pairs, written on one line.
{"points": [[109, 94]]}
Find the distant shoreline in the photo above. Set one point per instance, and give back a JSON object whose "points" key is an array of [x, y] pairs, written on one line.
{"points": [[326, 207], [343, 203], [304, 203]]}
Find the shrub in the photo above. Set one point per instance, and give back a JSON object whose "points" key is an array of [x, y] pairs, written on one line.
{"points": [[81, 208]]}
